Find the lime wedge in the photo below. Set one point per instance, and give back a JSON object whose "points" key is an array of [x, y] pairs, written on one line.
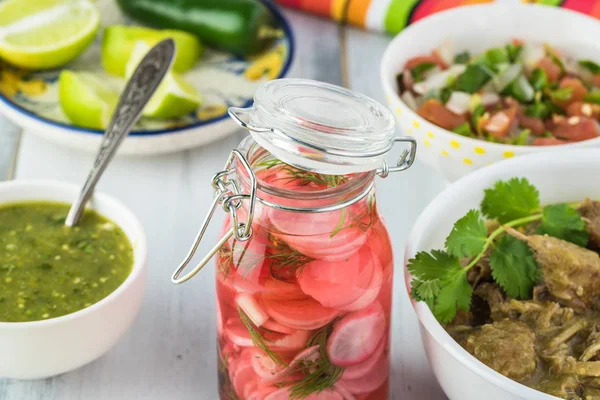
{"points": [[85, 99], [41, 34], [118, 42], [174, 96]]}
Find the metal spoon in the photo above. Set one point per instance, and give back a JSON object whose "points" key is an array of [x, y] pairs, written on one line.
{"points": [[138, 91]]}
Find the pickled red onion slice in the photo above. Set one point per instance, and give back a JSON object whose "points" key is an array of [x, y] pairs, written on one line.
{"points": [[265, 367], [338, 284], [284, 394], [304, 314], [359, 370], [356, 336], [219, 320], [277, 327], [261, 393], [371, 380], [330, 236], [250, 306], [370, 294], [237, 333]]}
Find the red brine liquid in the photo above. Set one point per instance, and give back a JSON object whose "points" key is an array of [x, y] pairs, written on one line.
{"points": [[304, 306]]}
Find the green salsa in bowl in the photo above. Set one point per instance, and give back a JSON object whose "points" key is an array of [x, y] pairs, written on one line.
{"points": [[66, 294], [48, 269]]}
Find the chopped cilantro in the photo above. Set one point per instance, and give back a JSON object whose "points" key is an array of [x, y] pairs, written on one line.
{"points": [[464, 129], [473, 79], [539, 79], [563, 94], [590, 66], [462, 58], [418, 71]]}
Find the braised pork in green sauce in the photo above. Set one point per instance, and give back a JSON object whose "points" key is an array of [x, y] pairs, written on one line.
{"points": [[518, 286]]}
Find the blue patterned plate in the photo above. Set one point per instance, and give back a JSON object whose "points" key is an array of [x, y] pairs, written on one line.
{"points": [[30, 99]]}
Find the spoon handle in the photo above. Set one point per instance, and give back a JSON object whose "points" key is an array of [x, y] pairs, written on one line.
{"points": [[137, 93]]}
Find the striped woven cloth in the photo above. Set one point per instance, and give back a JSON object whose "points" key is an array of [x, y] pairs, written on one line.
{"points": [[394, 15]]}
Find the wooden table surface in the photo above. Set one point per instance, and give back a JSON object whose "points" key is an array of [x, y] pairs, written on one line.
{"points": [[170, 352]]}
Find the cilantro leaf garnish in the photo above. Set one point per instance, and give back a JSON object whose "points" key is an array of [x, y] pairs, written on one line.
{"points": [[439, 278], [563, 222], [455, 294], [468, 235], [510, 200], [427, 266], [426, 291], [514, 267]]}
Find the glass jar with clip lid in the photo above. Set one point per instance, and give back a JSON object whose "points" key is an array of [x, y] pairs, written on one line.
{"points": [[304, 261]]}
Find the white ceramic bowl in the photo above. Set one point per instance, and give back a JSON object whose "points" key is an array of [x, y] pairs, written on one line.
{"points": [[560, 176], [477, 28], [39, 349]]}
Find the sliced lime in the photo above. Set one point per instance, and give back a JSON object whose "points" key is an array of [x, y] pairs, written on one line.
{"points": [[119, 41], [41, 34], [173, 98], [85, 99]]}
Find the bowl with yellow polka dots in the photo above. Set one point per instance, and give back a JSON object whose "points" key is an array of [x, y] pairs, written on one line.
{"points": [[477, 28]]}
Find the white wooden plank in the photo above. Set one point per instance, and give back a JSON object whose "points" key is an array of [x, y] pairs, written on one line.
{"points": [[10, 135]]}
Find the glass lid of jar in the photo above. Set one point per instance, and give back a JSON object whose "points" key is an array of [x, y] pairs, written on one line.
{"points": [[310, 125], [319, 127]]}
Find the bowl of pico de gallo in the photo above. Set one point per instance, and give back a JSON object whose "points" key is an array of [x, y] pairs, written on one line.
{"points": [[483, 83]]}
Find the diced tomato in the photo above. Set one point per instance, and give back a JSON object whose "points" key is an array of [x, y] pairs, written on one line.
{"points": [[433, 58], [596, 80], [552, 70], [435, 112], [582, 109], [575, 109], [517, 42], [578, 91], [500, 123], [548, 141], [536, 125], [575, 129]]}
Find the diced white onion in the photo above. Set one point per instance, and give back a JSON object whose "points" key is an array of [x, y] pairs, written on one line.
{"points": [[409, 99], [488, 99], [532, 54], [446, 51], [431, 72], [458, 102], [439, 80], [571, 66], [504, 79], [528, 91]]}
